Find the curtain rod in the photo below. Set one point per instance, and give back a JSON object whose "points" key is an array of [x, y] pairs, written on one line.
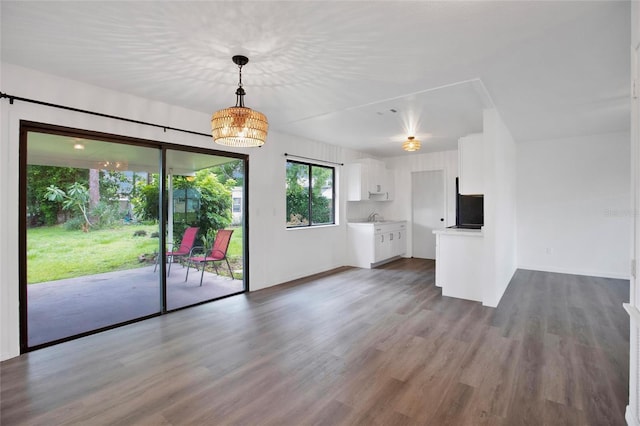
{"points": [[99, 114], [313, 159]]}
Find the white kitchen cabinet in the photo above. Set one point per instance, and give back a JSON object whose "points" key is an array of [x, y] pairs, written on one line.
{"points": [[369, 179], [459, 263], [471, 164], [371, 244], [389, 179], [397, 238], [382, 247]]}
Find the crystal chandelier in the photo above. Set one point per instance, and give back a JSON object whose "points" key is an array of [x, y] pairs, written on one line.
{"points": [[238, 125], [411, 144]]}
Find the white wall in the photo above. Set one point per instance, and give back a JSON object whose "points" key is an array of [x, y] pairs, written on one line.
{"points": [[573, 205], [403, 166], [632, 414], [499, 207], [276, 254]]}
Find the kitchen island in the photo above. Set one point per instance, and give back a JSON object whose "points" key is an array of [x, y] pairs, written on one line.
{"points": [[459, 263]]}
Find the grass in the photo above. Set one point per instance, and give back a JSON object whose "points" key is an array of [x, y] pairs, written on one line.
{"points": [[54, 253]]}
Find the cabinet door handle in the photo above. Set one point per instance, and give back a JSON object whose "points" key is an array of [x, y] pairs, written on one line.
{"points": [[390, 237], [382, 238], [399, 235]]}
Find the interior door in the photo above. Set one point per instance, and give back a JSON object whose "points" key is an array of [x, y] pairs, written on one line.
{"points": [[428, 211]]}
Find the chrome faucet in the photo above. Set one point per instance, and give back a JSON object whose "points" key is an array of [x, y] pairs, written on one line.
{"points": [[372, 217]]}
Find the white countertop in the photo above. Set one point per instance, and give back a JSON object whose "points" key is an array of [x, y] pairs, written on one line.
{"points": [[459, 232], [378, 222]]}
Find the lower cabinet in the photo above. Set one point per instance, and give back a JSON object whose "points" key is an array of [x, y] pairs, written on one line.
{"points": [[459, 267], [371, 244]]}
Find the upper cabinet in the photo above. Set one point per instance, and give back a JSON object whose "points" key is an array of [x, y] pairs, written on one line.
{"points": [[369, 179], [471, 164]]}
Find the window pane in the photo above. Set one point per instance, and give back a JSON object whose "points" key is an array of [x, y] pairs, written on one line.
{"points": [[297, 194], [203, 189], [322, 195], [90, 254]]}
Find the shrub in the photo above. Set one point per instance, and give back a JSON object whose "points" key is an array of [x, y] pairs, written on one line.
{"points": [[74, 224], [106, 215]]}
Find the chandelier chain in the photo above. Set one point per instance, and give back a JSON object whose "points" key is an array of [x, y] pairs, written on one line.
{"points": [[240, 91]]}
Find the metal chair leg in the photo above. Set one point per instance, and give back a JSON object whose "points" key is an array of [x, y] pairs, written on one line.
{"points": [[202, 276], [229, 266]]}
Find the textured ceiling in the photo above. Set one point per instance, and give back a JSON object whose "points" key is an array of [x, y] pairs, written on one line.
{"points": [[332, 71]]}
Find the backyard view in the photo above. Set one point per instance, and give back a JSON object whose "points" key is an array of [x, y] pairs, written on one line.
{"points": [[54, 253], [103, 236], [93, 233]]}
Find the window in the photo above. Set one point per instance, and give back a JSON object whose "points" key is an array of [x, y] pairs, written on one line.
{"points": [[237, 204], [310, 194]]}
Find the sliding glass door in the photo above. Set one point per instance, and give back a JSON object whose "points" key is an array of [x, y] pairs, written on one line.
{"points": [[202, 190], [111, 226], [89, 261]]}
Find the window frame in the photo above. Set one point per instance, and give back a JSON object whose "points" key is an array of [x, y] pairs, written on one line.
{"points": [[162, 147], [310, 223]]}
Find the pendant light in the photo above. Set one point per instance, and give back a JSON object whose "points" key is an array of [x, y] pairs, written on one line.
{"points": [[411, 144], [238, 125]]}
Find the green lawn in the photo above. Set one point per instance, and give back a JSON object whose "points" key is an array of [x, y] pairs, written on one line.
{"points": [[54, 253]]}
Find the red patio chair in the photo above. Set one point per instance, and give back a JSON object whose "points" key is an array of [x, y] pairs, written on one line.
{"points": [[184, 250], [217, 254]]}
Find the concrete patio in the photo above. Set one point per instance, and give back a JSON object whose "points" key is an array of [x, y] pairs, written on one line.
{"points": [[63, 308]]}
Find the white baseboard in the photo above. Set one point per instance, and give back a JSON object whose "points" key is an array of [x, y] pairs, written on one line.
{"points": [[587, 273]]}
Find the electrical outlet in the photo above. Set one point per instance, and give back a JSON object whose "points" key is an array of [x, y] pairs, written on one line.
{"points": [[548, 251]]}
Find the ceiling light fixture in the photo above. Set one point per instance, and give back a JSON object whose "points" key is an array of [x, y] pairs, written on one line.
{"points": [[78, 143], [115, 166], [411, 144], [238, 125]]}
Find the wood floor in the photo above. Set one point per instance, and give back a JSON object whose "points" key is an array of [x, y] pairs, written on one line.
{"points": [[353, 347]]}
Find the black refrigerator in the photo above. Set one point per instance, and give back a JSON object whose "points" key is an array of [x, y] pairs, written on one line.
{"points": [[469, 210]]}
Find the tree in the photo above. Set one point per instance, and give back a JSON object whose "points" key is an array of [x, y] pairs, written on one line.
{"points": [[306, 206], [214, 212], [215, 202], [321, 206], [231, 170], [94, 187], [297, 193], [145, 203], [40, 209], [77, 196]]}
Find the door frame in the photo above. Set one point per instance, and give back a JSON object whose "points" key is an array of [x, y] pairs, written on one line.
{"points": [[445, 198], [27, 126]]}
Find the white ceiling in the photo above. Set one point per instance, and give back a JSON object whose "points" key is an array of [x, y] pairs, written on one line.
{"points": [[332, 71]]}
